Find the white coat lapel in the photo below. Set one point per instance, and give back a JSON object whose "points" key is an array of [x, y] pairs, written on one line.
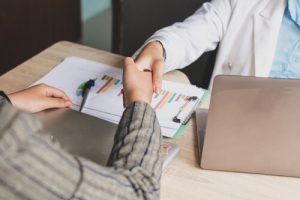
{"points": [[266, 30]]}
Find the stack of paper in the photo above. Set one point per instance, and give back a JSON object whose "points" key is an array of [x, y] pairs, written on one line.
{"points": [[105, 99]]}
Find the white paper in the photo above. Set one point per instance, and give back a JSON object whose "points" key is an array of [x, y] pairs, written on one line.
{"points": [[107, 102]]}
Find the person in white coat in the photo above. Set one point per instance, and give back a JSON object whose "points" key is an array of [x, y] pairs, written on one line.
{"points": [[253, 38]]}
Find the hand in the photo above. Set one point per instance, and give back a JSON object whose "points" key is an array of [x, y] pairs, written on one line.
{"points": [[39, 97], [137, 85], [151, 58]]}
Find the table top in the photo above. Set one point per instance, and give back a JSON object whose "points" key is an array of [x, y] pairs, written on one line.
{"points": [[183, 179]]}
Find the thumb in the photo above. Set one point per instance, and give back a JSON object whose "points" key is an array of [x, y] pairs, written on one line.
{"points": [[157, 73], [129, 66]]}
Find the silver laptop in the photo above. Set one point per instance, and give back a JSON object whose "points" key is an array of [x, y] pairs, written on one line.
{"points": [[89, 137], [253, 126]]}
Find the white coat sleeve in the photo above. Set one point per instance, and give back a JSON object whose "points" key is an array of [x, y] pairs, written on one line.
{"points": [[185, 41]]}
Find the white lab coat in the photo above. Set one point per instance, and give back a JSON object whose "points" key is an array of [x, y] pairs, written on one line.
{"points": [[246, 29]]}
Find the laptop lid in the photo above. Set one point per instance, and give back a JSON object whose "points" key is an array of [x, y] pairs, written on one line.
{"points": [[253, 126], [89, 137], [80, 134]]}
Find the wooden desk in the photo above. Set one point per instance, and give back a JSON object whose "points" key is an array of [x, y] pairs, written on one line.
{"points": [[183, 180]]}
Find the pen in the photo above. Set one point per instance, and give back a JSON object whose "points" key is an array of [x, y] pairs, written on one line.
{"points": [[176, 119], [189, 116], [85, 92]]}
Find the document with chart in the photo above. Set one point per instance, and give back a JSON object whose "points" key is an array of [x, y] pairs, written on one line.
{"points": [[173, 105]]}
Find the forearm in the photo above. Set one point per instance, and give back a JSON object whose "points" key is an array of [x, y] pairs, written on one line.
{"points": [[30, 162], [137, 147], [135, 162], [185, 41]]}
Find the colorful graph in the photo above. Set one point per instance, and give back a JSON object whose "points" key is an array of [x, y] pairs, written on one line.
{"points": [[168, 97], [110, 82]]}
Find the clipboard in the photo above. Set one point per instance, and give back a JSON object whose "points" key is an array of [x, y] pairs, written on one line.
{"points": [[183, 126]]}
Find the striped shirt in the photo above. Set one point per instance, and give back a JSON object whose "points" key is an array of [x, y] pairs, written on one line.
{"points": [[33, 167]]}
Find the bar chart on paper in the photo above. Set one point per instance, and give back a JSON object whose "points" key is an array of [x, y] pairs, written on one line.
{"points": [[171, 103], [167, 97], [105, 99], [110, 83], [108, 91]]}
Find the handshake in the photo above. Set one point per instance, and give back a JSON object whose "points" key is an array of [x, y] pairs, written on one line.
{"points": [[140, 80]]}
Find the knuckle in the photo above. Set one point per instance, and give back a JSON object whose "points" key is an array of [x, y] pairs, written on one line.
{"points": [[160, 62]]}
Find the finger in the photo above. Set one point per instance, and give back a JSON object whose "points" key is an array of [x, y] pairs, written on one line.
{"points": [[129, 66], [130, 69], [157, 72], [51, 102], [57, 93]]}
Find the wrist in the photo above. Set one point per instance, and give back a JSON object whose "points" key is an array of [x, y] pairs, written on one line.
{"points": [[11, 98], [137, 97], [158, 48], [15, 100]]}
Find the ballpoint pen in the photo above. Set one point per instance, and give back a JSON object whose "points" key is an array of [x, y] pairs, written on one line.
{"points": [[85, 92], [189, 116]]}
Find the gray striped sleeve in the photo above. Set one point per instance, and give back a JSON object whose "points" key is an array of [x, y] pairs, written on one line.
{"points": [[134, 165], [32, 167]]}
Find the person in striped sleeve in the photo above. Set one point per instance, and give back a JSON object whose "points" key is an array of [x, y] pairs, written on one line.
{"points": [[33, 167]]}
